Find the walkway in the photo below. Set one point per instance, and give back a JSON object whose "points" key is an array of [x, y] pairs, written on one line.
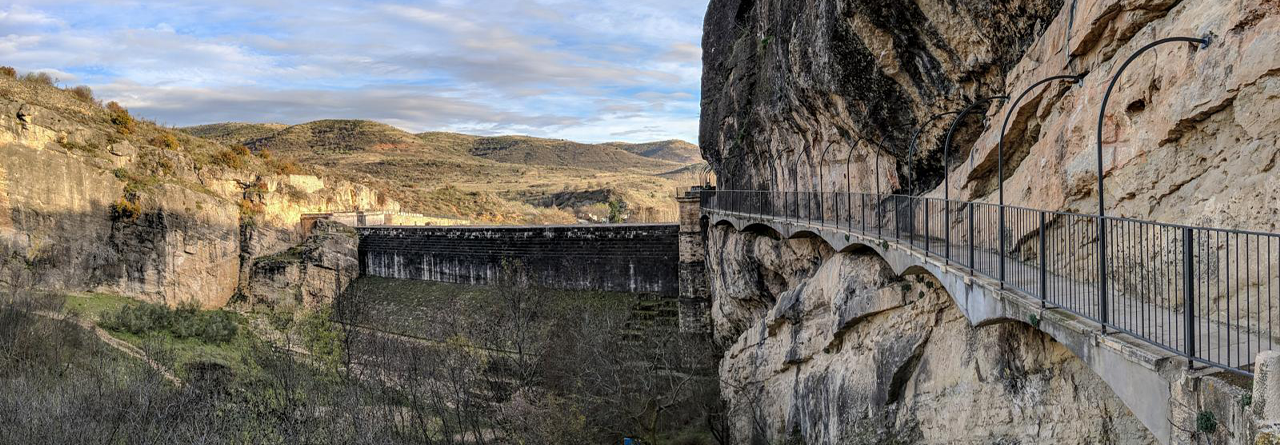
{"points": [[1164, 284]]}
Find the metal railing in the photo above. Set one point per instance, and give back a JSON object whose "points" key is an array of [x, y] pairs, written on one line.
{"points": [[1207, 294]]}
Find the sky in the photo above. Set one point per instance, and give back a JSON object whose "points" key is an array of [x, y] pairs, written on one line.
{"points": [[585, 70]]}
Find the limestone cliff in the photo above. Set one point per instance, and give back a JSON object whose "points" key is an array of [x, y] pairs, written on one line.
{"points": [[806, 95], [310, 275], [88, 203], [849, 353]]}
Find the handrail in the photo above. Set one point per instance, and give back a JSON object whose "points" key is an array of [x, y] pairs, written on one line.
{"points": [[1173, 286]]}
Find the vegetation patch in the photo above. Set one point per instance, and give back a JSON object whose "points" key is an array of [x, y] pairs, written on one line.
{"points": [[166, 141], [185, 321], [125, 210], [120, 118], [82, 92], [229, 158], [1206, 422]]}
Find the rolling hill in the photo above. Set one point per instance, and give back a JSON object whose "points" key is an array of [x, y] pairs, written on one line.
{"points": [[556, 152], [500, 179], [234, 132], [673, 150]]}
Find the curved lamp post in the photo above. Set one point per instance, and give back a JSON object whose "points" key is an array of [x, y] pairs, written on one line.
{"points": [[848, 179], [776, 181], [797, 184], [946, 147], [821, 208], [1102, 212], [911, 150], [946, 175], [1000, 156]]}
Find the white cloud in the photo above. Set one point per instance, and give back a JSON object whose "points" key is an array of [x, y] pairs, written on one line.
{"points": [[548, 67]]}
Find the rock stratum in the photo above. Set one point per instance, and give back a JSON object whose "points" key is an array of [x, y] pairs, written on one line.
{"points": [[826, 347], [88, 203]]}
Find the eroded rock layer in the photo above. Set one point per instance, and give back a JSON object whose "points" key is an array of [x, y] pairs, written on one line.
{"points": [[845, 352], [84, 207], [825, 95]]}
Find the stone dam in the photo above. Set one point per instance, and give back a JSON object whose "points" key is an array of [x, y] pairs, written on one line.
{"points": [[635, 258]]}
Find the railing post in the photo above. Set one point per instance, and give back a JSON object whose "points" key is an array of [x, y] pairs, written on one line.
{"points": [[926, 227], [1189, 293], [862, 208], [1002, 248], [972, 243], [1044, 264], [1102, 273], [835, 196], [897, 213], [946, 229]]}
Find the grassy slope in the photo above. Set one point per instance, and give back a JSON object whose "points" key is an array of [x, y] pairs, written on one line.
{"points": [[234, 132], [674, 150], [416, 308], [174, 353]]}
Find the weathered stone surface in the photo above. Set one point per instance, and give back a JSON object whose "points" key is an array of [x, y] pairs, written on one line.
{"points": [[747, 272], [309, 275], [1191, 136], [854, 355], [61, 171], [803, 95]]}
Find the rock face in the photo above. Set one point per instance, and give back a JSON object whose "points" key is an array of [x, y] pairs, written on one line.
{"points": [[309, 275], [814, 95], [832, 348], [86, 207], [818, 84]]}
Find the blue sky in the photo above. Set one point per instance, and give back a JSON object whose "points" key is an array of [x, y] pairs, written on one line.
{"points": [[587, 70]]}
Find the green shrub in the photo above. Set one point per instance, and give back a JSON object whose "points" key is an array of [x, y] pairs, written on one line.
{"points": [[185, 321], [1206, 422], [8, 71], [138, 318], [208, 326], [120, 118]]}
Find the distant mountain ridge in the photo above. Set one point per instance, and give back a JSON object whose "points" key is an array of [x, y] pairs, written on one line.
{"points": [[673, 150], [483, 178], [347, 136]]}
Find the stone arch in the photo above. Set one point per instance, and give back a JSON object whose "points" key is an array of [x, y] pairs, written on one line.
{"points": [[1139, 378]]}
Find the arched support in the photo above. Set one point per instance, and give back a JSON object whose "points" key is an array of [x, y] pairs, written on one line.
{"points": [[1141, 376]]}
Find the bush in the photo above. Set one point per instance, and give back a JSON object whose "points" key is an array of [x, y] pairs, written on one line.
{"points": [[265, 154], [120, 118], [8, 71], [241, 150], [209, 326], [229, 159], [82, 92], [40, 78], [250, 209], [283, 167], [138, 319], [166, 141], [186, 321], [125, 210]]}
